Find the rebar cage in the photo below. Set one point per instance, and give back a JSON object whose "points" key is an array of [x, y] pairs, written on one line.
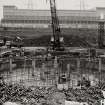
{"points": [[50, 72]]}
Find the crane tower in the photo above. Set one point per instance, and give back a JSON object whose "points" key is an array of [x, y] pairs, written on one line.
{"points": [[30, 4], [57, 40], [82, 5], [101, 32]]}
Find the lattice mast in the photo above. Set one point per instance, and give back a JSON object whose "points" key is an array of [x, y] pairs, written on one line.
{"points": [[82, 5], [30, 4], [57, 39], [101, 31]]}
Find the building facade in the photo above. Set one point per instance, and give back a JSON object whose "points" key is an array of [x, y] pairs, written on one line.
{"points": [[24, 18]]}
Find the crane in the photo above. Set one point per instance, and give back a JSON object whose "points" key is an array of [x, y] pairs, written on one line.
{"points": [[56, 40], [101, 32]]}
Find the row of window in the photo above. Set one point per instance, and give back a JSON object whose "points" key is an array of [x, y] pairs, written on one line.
{"points": [[94, 26], [48, 21], [49, 17], [26, 21]]}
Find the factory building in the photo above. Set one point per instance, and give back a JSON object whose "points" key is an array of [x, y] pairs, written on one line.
{"points": [[25, 18]]}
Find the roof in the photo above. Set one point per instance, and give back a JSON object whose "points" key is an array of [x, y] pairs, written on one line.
{"points": [[26, 12]]}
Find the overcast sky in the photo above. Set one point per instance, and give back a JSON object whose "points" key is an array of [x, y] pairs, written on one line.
{"points": [[61, 4]]}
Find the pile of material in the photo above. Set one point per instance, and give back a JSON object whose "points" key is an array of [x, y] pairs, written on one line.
{"points": [[49, 96]]}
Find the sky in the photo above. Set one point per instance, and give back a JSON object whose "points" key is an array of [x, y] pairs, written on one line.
{"points": [[61, 4]]}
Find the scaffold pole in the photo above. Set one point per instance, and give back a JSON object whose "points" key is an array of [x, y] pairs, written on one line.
{"points": [[100, 70]]}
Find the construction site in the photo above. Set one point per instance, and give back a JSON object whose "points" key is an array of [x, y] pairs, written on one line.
{"points": [[50, 62]]}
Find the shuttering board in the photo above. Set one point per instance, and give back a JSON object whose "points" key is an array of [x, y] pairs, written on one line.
{"points": [[74, 103]]}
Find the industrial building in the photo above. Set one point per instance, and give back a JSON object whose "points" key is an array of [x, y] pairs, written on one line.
{"points": [[26, 18]]}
